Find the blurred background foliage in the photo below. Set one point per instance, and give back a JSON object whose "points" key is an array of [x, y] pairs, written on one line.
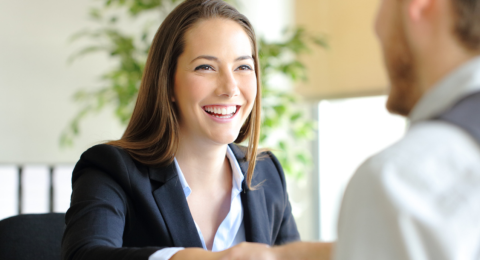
{"points": [[287, 126]]}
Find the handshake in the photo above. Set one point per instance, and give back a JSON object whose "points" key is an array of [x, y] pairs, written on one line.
{"points": [[257, 251]]}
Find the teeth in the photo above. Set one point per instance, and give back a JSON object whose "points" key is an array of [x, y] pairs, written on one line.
{"points": [[229, 110], [229, 116]]}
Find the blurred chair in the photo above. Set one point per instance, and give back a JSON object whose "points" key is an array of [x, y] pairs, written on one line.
{"points": [[32, 236]]}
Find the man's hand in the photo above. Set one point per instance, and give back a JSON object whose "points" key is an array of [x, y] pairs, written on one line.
{"points": [[297, 251]]}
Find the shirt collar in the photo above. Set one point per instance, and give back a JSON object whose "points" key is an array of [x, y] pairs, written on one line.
{"points": [[237, 176], [462, 81]]}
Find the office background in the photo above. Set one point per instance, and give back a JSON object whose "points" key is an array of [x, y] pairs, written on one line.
{"points": [[345, 93]]}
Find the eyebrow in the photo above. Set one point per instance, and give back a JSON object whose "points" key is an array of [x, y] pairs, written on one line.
{"points": [[213, 58]]}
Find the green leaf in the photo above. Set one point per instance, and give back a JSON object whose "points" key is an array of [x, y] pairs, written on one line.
{"points": [[303, 158], [296, 116], [280, 109]]}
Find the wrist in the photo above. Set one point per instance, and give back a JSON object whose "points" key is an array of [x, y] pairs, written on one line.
{"points": [[304, 251], [280, 253], [248, 251], [197, 254]]}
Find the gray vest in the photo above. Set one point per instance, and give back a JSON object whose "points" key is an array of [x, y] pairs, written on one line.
{"points": [[466, 115]]}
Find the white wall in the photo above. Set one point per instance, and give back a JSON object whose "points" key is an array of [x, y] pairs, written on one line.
{"points": [[269, 17], [36, 85]]}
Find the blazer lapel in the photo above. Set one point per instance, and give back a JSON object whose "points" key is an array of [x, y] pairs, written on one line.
{"points": [[257, 227], [173, 206]]}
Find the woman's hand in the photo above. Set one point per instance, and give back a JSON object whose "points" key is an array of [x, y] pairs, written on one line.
{"points": [[249, 251]]}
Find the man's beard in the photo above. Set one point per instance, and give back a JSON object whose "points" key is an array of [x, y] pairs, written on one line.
{"points": [[400, 63]]}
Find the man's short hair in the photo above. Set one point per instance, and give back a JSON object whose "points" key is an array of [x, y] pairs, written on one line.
{"points": [[467, 23]]}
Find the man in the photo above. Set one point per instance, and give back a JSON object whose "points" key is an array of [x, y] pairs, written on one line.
{"points": [[420, 198]]}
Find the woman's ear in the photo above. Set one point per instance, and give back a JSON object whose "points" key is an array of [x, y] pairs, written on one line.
{"points": [[173, 99]]}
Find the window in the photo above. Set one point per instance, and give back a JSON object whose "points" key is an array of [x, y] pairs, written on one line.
{"points": [[350, 131]]}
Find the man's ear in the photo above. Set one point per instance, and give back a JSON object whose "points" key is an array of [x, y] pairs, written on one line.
{"points": [[419, 9]]}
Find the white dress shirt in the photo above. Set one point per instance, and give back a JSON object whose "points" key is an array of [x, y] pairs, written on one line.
{"points": [[231, 231], [419, 198]]}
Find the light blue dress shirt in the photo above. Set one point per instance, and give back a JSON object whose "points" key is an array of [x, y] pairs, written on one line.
{"points": [[231, 231]]}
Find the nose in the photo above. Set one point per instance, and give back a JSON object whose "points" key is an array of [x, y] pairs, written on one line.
{"points": [[227, 84]]}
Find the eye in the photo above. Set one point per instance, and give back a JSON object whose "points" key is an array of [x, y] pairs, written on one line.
{"points": [[204, 67], [244, 67]]}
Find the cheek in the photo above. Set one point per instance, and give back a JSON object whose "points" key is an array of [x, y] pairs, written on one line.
{"points": [[383, 21], [190, 88], [380, 31], [185, 95]]}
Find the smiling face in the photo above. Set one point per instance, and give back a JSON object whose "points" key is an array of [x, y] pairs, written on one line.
{"points": [[215, 82]]}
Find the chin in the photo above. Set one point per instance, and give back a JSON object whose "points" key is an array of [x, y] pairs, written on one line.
{"points": [[224, 138], [397, 104], [403, 96]]}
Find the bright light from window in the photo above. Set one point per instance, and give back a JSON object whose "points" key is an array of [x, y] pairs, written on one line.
{"points": [[350, 131]]}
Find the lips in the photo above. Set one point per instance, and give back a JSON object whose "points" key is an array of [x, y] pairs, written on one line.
{"points": [[223, 111]]}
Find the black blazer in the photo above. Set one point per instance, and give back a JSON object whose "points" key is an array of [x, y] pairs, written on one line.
{"points": [[122, 209]]}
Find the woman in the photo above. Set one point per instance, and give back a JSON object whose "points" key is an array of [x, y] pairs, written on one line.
{"points": [[174, 182]]}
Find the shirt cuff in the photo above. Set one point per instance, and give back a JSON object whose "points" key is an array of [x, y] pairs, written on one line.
{"points": [[165, 254]]}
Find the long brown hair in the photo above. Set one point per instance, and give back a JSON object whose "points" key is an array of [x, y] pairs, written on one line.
{"points": [[152, 134]]}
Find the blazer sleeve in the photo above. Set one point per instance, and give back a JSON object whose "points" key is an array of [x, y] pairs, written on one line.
{"points": [[288, 228], [95, 220]]}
